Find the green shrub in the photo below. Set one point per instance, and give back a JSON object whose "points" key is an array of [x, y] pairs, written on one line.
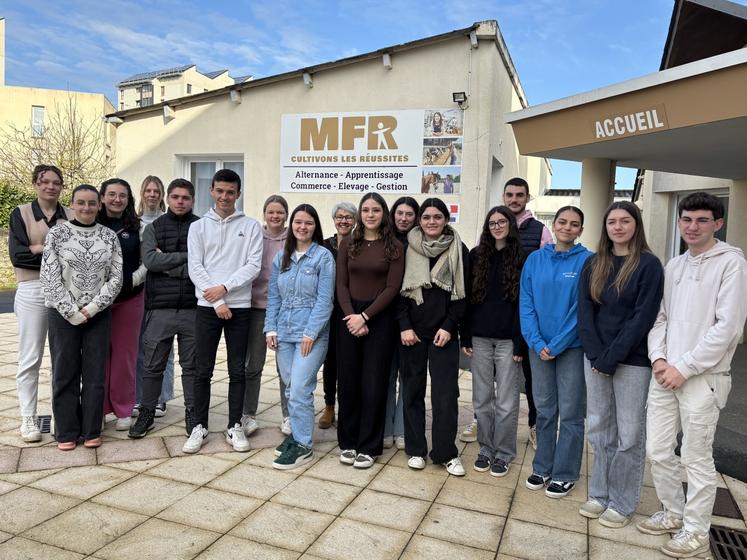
{"points": [[10, 197]]}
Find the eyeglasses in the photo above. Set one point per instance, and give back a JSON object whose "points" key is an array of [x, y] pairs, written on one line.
{"points": [[344, 218], [686, 221], [498, 224]]}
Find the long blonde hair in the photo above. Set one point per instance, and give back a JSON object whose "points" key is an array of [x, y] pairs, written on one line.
{"points": [[147, 181], [601, 266]]}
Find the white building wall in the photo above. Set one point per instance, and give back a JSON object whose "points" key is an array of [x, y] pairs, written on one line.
{"points": [[420, 78]]}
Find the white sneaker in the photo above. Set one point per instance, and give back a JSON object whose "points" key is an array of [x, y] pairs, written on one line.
{"points": [[347, 456], [592, 509], [285, 427], [686, 544], [613, 519], [400, 442], [660, 523], [469, 434], [388, 442], [29, 430], [417, 463], [249, 424], [123, 424], [363, 461], [235, 436], [194, 443], [455, 467]]}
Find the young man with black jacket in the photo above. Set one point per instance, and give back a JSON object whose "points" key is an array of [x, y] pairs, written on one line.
{"points": [[170, 305]]}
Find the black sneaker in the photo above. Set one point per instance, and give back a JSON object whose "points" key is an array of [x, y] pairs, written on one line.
{"points": [[482, 463], [294, 456], [280, 449], [499, 467], [559, 489], [143, 424], [189, 421], [537, 482]]}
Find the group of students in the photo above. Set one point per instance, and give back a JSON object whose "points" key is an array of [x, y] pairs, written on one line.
{"points": [[392, 297]]}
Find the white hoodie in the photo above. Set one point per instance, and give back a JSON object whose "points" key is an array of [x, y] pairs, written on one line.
{"points": [[225, 251], [703, 311]]}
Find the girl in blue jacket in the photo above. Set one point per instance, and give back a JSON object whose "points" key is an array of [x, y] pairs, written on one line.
{"points": [[299, 305], [548, 305]]}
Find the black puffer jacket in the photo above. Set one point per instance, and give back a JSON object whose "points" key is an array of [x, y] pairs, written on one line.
{"points": [[167, 285]]}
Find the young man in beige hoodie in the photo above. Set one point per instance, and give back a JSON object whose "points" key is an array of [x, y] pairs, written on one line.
{"points": [[691, 345]]}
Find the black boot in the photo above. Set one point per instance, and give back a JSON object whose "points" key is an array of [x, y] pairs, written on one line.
{"points": [[143, 424]]}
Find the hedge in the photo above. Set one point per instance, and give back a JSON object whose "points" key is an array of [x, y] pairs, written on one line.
{"points": [[10, 197]]}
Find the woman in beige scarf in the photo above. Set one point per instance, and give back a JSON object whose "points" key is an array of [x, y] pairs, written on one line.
{"points": [[431, 306]]}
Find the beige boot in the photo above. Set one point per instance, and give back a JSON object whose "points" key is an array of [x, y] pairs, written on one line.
{"points": [[327, 418]]}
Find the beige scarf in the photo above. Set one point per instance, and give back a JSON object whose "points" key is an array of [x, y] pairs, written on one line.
{"points": [[447, 273]]}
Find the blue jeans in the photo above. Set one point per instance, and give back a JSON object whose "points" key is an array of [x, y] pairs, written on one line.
{"points": [[394, 421], [299, 374], [560, 397], [616, 424]]}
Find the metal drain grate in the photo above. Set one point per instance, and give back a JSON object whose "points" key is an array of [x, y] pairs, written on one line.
{"points": [[728, 544], [44, 423]]}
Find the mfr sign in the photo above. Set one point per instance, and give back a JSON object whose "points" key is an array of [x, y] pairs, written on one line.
{"points": [[630, 124]]}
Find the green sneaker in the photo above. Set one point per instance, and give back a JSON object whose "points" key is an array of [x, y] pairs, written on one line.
{"points": [[294, 456], [283, 446]]}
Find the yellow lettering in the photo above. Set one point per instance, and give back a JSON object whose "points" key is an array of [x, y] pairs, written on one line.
{"points": [[319, 136], [352, 128]]}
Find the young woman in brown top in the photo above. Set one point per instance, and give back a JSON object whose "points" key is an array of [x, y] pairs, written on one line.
{"points": [[370, 265]]}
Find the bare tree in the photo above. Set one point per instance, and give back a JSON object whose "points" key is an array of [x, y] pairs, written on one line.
{"points": [[79, 144]]}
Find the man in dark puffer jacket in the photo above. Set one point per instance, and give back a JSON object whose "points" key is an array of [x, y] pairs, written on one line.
{"points": [[170, 304]]}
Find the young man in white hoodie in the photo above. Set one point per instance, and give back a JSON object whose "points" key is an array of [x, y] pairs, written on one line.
{"points": [[224, 255], [691, 345]]}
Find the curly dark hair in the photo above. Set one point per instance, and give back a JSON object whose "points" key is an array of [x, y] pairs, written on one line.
{"points": [[386, 231], [130, 220], [513, 259]]}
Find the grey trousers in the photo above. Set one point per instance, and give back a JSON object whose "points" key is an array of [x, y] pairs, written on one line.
{"points": [[255, 362], [495, 396], [161, 326]]}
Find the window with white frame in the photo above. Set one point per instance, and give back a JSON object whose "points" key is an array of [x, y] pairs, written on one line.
{"points": [[200, 170], [37, 120]]}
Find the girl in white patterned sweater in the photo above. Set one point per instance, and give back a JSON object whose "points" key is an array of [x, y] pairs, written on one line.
{"points": [[81, 273]]}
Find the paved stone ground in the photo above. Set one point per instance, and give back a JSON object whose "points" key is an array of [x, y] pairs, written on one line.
{"points": [[143, 499]]}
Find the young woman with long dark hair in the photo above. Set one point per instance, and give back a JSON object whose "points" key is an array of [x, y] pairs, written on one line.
{"points": [[404, 216], [118, 214], [492, 338], [548, 307], [81, 273], [432, 304], [621, 288], [370, 264], [301, 290]]}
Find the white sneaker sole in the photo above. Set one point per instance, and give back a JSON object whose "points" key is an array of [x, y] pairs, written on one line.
{"points": [[35, 437], [347, 460], [612, 524], [238, 447], [299, 462]]}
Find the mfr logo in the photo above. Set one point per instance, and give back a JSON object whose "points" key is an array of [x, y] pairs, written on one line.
{"points": [[343, 133]]}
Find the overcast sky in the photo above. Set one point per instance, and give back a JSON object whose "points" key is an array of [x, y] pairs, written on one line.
{"points": [[559, 47]]}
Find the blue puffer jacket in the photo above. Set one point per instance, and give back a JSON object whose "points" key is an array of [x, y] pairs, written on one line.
{"points": [[299, 299]]}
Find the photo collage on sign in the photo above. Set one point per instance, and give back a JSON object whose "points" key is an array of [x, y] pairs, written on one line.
{"points": [[442, 152]]}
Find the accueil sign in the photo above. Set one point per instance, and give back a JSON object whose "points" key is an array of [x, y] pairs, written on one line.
{"points": [[631, 124], [353, 152]]}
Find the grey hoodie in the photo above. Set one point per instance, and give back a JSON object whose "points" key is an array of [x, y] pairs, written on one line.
{"points": [[703, 311]]}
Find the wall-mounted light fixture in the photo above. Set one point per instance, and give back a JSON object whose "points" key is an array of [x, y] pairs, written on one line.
{"points": [[168, 114], [460, 98], [235, 96], [473, 39], [113, 120], [387, 59], [308, 82]]}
